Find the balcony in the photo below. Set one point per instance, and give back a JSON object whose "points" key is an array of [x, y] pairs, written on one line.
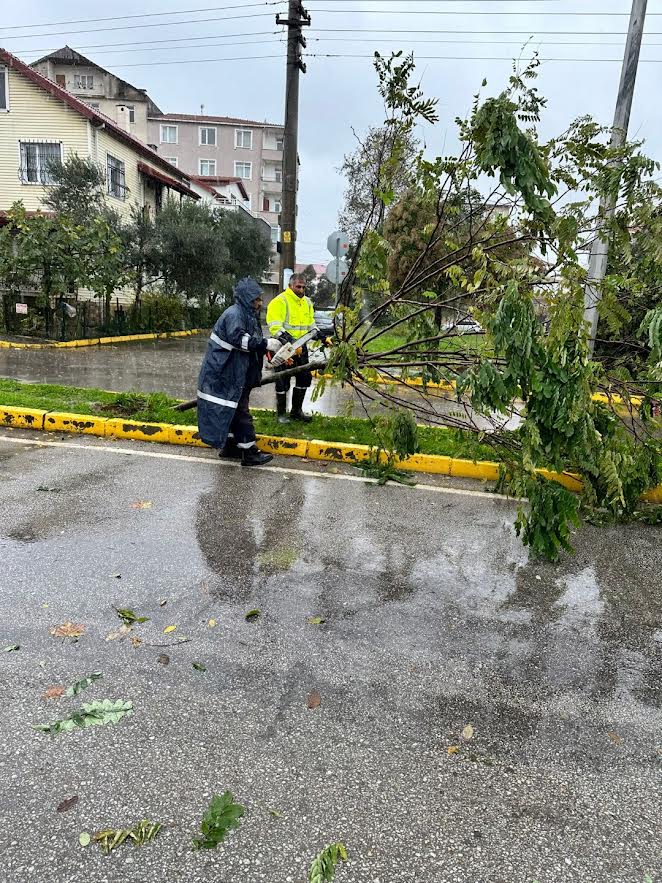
{"points": [[271, 183], [271, 154]]}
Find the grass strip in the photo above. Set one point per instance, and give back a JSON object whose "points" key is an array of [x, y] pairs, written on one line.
{"points": [[159, 408]]}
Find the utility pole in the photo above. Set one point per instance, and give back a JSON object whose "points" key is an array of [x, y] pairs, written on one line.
{"points": [[297, 18], [597, 267]]}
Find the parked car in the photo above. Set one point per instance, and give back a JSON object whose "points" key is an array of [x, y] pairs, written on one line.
{"points": [[468, 325], [324, 320]]}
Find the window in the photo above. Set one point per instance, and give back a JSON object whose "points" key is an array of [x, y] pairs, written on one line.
{"points": [[35, 159], [207, 136], [172, 160], [278, 174], [276, 205], [279, 142], [243, 138], [132, 113], [116, 177], [4, 89], [94, 104], [207, 166], [83, 81], [243, 170], [274, 234], [168, 134]]}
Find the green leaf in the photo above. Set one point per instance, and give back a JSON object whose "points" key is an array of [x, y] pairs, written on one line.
{"points": [[129, 616], [221, 816], [93, 714], [277, 814], [198, 666], [83, 684], [84, 838], [12, 647], [252, 615], [141, 833], [315, 620], [323, 868]]}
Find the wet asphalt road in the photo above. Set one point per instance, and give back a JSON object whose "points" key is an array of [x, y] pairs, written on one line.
{"points": [[171, 366], [435, 618]]}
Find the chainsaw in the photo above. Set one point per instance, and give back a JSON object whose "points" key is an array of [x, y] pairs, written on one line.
{"points": [[289, 350]]}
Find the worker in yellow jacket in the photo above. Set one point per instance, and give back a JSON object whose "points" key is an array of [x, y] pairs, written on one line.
{"points": [[290, 315]]}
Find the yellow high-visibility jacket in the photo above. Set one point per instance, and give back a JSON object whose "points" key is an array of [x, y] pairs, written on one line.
{"points": [[288, 312]]}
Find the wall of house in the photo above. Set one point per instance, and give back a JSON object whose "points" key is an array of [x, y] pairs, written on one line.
{"points": [[34, 115]]}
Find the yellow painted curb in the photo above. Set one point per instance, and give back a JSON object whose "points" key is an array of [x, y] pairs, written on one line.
{"points": [[79, 423], [22, 418], [313, 449], [100, 341]]}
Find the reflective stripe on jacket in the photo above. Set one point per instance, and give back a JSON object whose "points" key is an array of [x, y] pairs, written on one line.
{"points": [[288, 312]]}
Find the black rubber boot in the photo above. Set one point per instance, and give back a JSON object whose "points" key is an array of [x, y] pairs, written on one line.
{"points": [[281, 407], [230, 451], [296, 413], [253, 457]]}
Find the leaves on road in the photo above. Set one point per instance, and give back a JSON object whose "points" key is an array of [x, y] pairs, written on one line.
{"points": [[221, 816], [468, 732], [67, 804], [128, 616], [253, 614], [141, 833], [121, 632], [314, 699], [198, 666], [323, 868], [141, 504], [169, 629], [67, 630], [83, 684], [453, 749], [315, 620], [277, 814], [11, 648], [84, 839], [93, 714], [53, 693], [615, 738], [163, 658], [212, 623]]}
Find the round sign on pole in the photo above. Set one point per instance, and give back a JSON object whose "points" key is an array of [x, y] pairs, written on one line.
{"points": [[337, 271], [338, 244]]}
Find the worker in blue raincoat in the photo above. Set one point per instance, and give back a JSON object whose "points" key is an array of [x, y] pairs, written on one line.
{"points": [[230, 370]]}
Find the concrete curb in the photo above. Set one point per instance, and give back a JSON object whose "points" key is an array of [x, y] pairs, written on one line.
{"points": [[99, 341], [311, 449]]}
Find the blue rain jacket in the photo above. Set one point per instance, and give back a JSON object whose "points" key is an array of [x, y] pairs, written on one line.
{"points": [[232, 363]]}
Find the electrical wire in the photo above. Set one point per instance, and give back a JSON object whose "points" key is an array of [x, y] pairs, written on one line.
{"points": [[89, 46], [156, 24], [477, 58], [83, 21], [467, 12], [199, 46]]}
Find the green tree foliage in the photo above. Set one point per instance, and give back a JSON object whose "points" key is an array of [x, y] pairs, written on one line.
{"points": [[78, 188], [247, 251], [442, 242]]}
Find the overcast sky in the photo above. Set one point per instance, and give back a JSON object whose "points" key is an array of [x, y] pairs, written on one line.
{"points": [[339, 94]]}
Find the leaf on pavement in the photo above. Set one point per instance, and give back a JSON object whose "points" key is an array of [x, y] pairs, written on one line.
{"points": [[467, 732], [141, 833], [93, 714], [129, 617], [136, 642], [252, 615], [121, 632], [53, 693], [453, 749], [67, 804], [211, 623], [198, 666], [615, 738], [277, 814], [169, 629], [222, 815], [323, 868], [315, 620], [163, 658], [12, 647], [83, 684], [314, 699], [141, 504], [68, 630], [84, 839]]}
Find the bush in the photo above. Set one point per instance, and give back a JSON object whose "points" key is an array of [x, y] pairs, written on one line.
{"points": [[163, 312]]}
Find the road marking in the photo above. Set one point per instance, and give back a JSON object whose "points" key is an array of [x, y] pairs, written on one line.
{"points": [[188, 458]]}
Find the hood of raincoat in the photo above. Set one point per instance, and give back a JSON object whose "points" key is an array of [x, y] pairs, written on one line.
{"points": [[245, 292]]}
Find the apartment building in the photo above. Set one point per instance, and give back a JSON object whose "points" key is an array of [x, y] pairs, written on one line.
{"points": [[125, 104]]}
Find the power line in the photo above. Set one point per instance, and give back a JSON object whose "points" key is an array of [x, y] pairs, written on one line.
{"points": [[81, 21], [199, 46], [467, 12], [155, 24], [482, 42], [89, 46], [478, 58], [405, 33], [205, 60]]}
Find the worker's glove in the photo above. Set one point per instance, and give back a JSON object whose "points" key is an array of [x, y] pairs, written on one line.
{"points": [[273, 344], [321, 333], [285, 337]]}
